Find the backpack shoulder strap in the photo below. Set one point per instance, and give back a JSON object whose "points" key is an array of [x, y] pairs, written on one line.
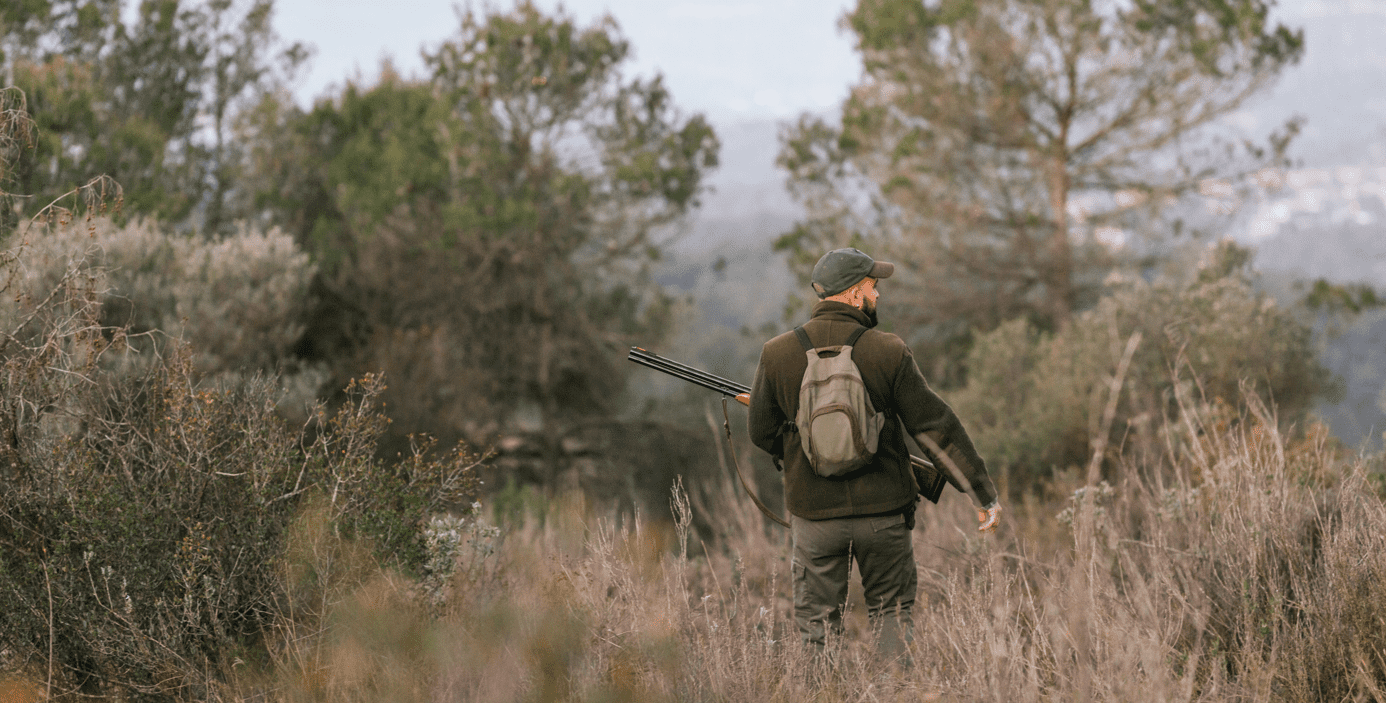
{"points": [[804, 340], [854, 336]]}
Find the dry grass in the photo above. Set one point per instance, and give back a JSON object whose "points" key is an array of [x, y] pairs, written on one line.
{"points": [[1249, 568]]}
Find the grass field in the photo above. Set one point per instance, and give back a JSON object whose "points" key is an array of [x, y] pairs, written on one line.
{"points": [[1246, 567]]}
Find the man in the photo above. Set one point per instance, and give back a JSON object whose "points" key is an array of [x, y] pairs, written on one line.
{"points": [[866, 514]]}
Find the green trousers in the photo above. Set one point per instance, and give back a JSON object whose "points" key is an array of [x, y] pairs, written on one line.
{"points": [[823, 554]]}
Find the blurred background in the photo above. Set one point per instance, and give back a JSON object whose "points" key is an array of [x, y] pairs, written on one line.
{"points": [[489, 204], [753, 67]]}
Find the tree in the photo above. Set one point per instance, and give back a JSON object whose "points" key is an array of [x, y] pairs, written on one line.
{"points": [[244, 61], [1010, 153], [485, 237], [134, 100]]}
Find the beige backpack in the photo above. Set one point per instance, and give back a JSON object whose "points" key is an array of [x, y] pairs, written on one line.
{"points": [[838, 428]]}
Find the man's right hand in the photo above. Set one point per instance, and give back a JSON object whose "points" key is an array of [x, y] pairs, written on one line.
{"points": [[990, 518]]}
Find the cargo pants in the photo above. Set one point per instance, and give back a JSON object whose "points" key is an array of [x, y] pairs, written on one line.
{"points": [[823, 554]]}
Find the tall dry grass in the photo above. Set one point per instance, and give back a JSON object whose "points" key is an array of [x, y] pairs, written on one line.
{"points": [[1250, 566]]}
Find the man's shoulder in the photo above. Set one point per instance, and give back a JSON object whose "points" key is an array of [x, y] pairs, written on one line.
{"points": [[875, 341], [781, 343], [881, 350], [885, 340]]}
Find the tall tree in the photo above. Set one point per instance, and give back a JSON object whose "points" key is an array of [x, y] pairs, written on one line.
{"points": [[246, 60], [485, 237], [1010, 152], [147, 102]]}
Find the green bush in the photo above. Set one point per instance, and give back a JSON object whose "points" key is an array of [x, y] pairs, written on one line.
{"points": [[1033, 402], [237, 301], [145, 512]]}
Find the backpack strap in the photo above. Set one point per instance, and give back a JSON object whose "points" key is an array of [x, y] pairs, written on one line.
{"points": [[854, 336]]}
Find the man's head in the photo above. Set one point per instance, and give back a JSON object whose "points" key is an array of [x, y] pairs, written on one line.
{"points": [[849, 276], [841, 269]]}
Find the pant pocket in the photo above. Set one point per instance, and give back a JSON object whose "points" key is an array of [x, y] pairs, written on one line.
{"points": [[886, 522]]}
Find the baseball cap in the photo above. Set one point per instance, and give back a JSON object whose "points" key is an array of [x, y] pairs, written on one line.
{"points": [[841, 269]]}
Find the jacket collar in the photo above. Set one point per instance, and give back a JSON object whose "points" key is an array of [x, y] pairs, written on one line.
{"points": [[832, 310]]}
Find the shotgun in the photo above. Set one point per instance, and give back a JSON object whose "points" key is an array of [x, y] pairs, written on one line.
{"points": [[929, 478]]}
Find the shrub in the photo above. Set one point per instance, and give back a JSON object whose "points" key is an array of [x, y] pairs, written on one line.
{"points": [[236, 301], [146, 508], [1033, 401]]}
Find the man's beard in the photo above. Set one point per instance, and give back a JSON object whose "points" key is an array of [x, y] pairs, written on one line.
{"points": [[869, 307]]}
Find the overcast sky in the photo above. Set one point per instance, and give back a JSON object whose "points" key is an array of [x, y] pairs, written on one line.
{"points": [[731, 59]]}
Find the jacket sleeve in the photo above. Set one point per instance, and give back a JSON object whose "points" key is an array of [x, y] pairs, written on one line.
{"points": [[924, 413], [766, 418]]}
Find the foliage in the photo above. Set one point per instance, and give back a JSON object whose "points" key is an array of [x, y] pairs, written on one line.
{"points": [[144, 513], [165, 535], [485, 237], [16, 134], [1350, 298], [1009, 154], [1033, 399], [131, 100], [236, 301]]}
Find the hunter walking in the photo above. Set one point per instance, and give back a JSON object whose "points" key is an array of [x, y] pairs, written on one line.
{"points": [[848, 484]]}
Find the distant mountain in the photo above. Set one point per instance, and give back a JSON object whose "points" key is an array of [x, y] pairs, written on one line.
{"points": [[1329, 220]]}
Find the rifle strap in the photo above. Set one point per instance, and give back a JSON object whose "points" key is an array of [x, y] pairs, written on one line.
{"points": [[726, 424]]}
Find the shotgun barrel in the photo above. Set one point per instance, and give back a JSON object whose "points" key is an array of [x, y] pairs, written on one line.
{"points": [[687, 373], [651, 356], [929, 478]]}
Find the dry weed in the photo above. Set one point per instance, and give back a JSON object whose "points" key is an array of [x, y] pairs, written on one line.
{"points": [[1249, 568]]}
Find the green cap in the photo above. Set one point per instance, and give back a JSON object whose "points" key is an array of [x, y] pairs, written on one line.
{"points": [[841, 269]]}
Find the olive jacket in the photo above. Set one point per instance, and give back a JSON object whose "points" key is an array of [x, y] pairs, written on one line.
{"points": [[896, 388]]}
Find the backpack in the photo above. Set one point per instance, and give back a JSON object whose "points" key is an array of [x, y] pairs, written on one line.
{"points": [[838, 428]]}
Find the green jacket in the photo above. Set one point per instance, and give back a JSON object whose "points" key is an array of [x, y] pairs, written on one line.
{"points": [[896, 388]]}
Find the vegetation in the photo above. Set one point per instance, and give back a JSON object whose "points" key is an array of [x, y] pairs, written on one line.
{"points": [[1034, 400], [485, 237], [1010, 154], [236, 301], [129, 100], [146, 509], [216, 360], [1248, 566]]}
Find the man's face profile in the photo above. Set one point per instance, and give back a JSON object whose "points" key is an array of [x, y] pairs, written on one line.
{"points": [[869, 295], [868, 300]]}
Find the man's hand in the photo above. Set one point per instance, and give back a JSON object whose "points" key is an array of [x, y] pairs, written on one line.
{"points": [[989, 517]]}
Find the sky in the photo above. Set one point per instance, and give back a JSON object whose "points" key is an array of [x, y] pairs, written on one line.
{"points": [[733, 60]]}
